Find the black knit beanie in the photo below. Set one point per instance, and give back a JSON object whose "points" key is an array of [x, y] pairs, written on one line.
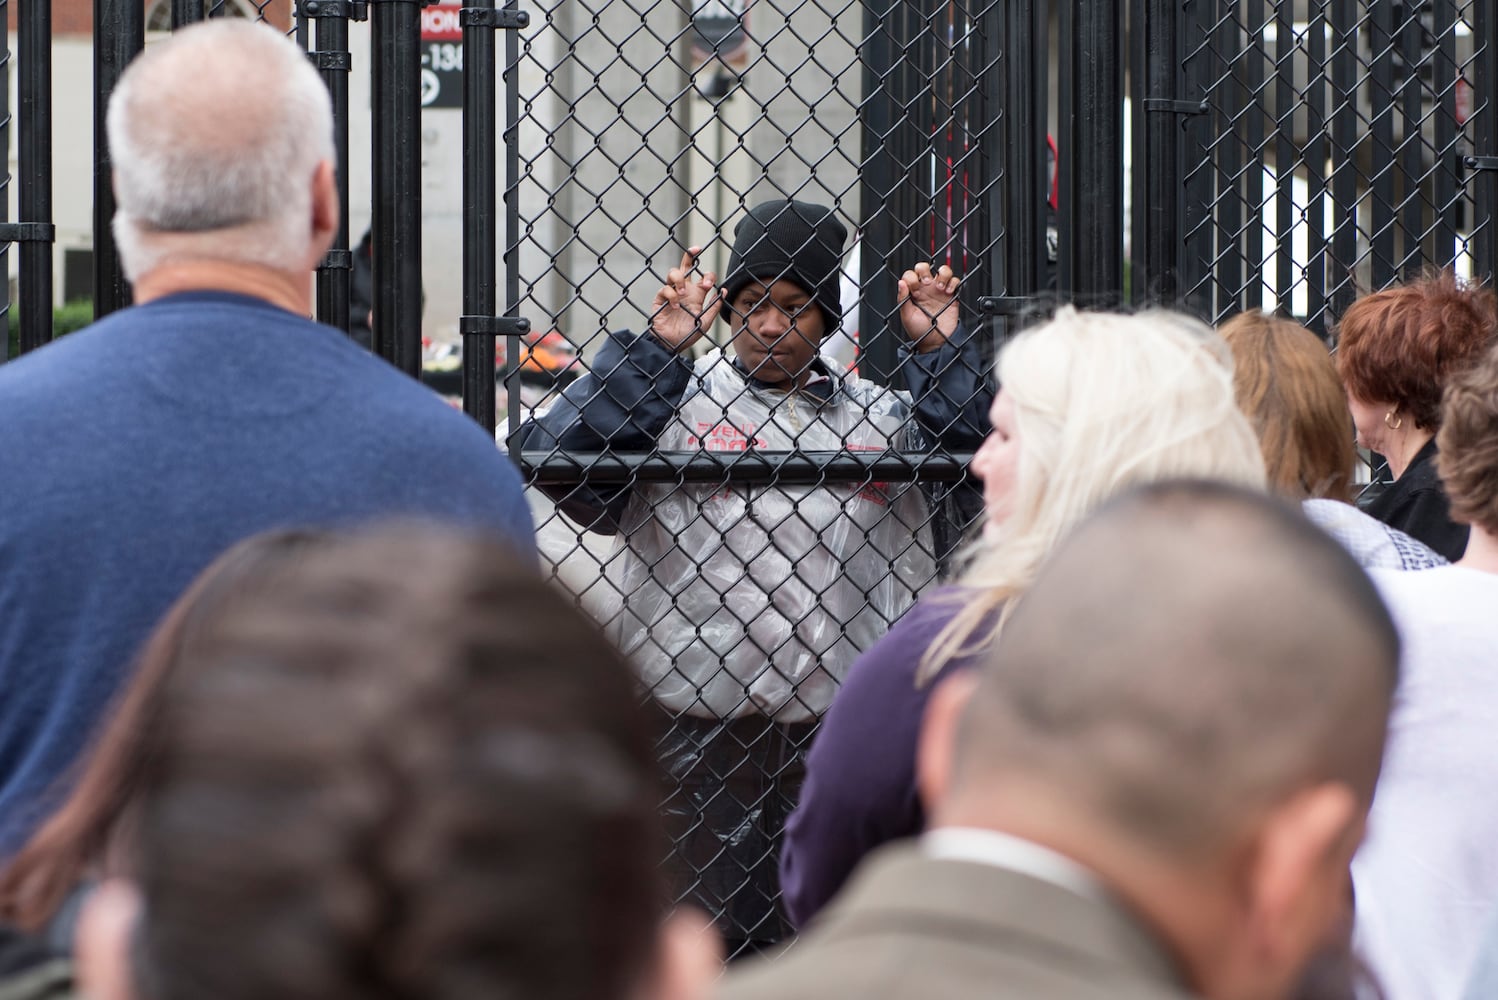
{"points": [[793, 240]]}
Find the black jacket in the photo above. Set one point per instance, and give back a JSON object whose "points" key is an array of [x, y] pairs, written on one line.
{"points": [[1416, 504]]}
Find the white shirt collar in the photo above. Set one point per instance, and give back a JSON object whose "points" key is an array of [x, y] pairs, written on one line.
{"points": [[1001, 850]]}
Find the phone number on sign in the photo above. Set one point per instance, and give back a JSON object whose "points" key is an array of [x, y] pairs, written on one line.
{"points": [[443, 57]]}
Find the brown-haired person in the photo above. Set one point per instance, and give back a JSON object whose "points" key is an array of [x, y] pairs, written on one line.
{"points": [[43, 885], [399, 766], [1427, 880], [1286, 383], [1396, 350]]}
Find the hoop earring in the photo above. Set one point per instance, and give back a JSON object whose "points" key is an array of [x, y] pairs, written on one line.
{"points": [[1393, 425]]}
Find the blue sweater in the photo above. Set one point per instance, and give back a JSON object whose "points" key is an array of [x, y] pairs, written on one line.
{"points": [[134, 452]]}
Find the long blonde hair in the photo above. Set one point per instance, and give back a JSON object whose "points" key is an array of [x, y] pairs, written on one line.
{"points": [[1102, 402]]}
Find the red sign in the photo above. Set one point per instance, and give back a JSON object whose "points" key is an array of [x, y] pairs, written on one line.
{"points": [[439, 23], [441, 56]]}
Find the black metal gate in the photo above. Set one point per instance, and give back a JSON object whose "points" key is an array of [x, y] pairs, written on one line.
{"points": [[1303, 152], [1215, 155]]}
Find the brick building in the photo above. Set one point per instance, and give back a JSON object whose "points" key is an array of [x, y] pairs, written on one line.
{"points": [[71, 18]]}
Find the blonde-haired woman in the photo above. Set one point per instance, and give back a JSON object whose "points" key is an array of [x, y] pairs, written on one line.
{"points": [[1091, 403]]}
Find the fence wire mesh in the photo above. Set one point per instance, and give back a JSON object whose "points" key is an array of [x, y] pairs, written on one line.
{"points": [[1336, 152], [748, 511], [1338, 146], [749, 514]]}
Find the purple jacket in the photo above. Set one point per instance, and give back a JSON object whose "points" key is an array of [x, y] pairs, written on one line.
{"points": [[860, 774]]}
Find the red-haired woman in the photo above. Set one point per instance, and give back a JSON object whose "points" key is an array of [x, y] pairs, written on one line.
{"points": [[1396, 351]]}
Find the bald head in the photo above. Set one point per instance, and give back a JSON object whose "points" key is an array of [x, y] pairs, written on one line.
{"points": [[215, 135], [1191, 655]]}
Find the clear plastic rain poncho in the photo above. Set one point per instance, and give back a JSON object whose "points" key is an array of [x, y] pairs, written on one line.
{"points": [[755, 600]]}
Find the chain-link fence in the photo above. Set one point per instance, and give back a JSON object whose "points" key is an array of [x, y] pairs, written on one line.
{"points": [[750, 510], [745, 521], [1338, 146]]}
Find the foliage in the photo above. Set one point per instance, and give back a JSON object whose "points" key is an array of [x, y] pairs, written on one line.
{"points": [[65, 319]]}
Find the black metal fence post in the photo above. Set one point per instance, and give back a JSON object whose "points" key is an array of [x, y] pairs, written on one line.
{"points": [[332, 58], [1226, 97], [1198, 185], [1413, 207], [1342, 279], [1253, 153], [5, 179], [882, 113], [1481, 181], [34, 199], [1157, 107], [119, 33], [1318, 273], [1286, 156], [396, 177], [185, 12], [1382, 153], [477, 325], [479, 224], [1025, 183], [1091, 148], [1444, 204], [513, 329]]}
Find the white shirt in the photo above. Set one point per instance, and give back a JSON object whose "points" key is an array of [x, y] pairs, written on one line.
{"points": [[1001, 850], [1427, 877]]}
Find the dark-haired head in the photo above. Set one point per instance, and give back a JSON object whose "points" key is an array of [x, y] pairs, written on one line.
{"points": [[1469, 444], [402, 767]]}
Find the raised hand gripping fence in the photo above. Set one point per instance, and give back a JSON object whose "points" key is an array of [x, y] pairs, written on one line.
{"points": [[1213, 154]]}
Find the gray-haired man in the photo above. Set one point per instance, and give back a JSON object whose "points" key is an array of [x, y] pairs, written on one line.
{"points": [[138, 449]]}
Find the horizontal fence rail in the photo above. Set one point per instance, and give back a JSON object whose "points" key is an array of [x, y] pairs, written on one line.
{"points": [[804, 468]]}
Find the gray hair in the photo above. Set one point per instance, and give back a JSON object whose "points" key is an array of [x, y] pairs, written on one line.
{"points": [[216, 133]]}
